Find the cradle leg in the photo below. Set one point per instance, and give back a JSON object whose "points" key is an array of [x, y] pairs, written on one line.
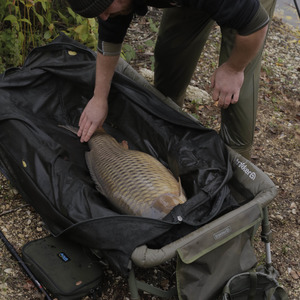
{"points": [[133, 286], [266, 237]]}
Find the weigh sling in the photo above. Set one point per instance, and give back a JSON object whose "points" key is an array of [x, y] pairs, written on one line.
{"points": [[49, 169]]}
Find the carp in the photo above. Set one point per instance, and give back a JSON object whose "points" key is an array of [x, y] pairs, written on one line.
{"points": [[133, 181]]}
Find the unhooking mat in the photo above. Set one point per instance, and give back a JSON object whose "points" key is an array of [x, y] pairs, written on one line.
{"points": [[46, 163]]}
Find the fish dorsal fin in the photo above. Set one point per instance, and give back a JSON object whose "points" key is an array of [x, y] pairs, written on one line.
{"points": [[100, 130], [124, 145], [182, 195]]}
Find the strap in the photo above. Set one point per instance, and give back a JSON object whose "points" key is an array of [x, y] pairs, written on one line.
{"points": [[226, 293], [253, 285], [278, 292], [274, 293]]}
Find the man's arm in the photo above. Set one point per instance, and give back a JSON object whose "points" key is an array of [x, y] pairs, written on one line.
{"points": [[95, 112], [227, 80]]}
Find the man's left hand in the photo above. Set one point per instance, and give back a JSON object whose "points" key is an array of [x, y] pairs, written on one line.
{"points": [[226, 84]]}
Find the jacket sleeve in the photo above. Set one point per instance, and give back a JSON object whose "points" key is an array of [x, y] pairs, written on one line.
{"points": [[111, 34], [258, 21], [113, 30], [246, 16]]}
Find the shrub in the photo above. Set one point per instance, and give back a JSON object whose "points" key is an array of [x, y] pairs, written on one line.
{"points": [[25, 24]]}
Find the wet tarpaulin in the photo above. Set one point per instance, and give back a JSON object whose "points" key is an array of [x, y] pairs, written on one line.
{"points": [[46, 163]]}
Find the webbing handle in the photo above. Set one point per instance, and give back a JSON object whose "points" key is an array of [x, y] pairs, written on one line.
{"points": [[253, 285], [276, 291]]}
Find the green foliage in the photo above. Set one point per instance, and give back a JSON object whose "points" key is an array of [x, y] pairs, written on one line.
{"points": [[81, 29], [128, 52], [25, 24], [10, 48], [154, 27]]}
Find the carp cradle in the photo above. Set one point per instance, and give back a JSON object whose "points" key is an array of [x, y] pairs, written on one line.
{"points": [[47, 165]]}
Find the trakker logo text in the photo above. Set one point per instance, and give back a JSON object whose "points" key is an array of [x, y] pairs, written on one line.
{"points": [[244, 167]]}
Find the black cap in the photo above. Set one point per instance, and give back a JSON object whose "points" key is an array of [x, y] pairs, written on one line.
{"points": [[90, 8]]}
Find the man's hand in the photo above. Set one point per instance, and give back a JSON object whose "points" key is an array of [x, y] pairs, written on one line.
{"points": [[95, 112], [228, 79], [226, 84], [92, 117]]}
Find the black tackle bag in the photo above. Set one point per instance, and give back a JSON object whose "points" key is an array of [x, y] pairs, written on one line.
{"points": [[67, 270]]}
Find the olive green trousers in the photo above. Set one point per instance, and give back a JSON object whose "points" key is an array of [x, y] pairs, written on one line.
{"points": [[182, 35]]}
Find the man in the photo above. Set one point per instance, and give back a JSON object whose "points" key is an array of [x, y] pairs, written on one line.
{"points": [[184, 29]]}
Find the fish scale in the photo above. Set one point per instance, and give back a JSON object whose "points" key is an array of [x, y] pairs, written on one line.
{"points": [[133, 181]]}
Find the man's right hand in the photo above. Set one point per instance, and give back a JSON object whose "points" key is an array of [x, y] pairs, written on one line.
{"points": [[92, 117], [95, 112]]}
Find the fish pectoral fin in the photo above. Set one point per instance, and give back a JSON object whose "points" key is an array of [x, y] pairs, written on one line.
{"points": [[124, 145], [73, 129], [181, 196], [99, 187]]}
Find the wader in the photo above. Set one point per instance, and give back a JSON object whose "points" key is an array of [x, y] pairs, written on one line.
{"points": [[182, 36]]}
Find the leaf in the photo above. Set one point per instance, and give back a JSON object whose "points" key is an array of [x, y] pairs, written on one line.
{"points": [[40, 17], [78, 19], [11, 18], [92, 22], [84, 37], [71, 12], [80, 29], [51, 27], [63, 17], [72, 53], [21, 37], [44, 5], [153, 27], [47, 35], [128, 52], [26, 21]]}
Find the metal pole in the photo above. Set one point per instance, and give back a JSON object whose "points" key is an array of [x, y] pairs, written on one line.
{"points": [[14, 253], [297, 8], [266, 237]]}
